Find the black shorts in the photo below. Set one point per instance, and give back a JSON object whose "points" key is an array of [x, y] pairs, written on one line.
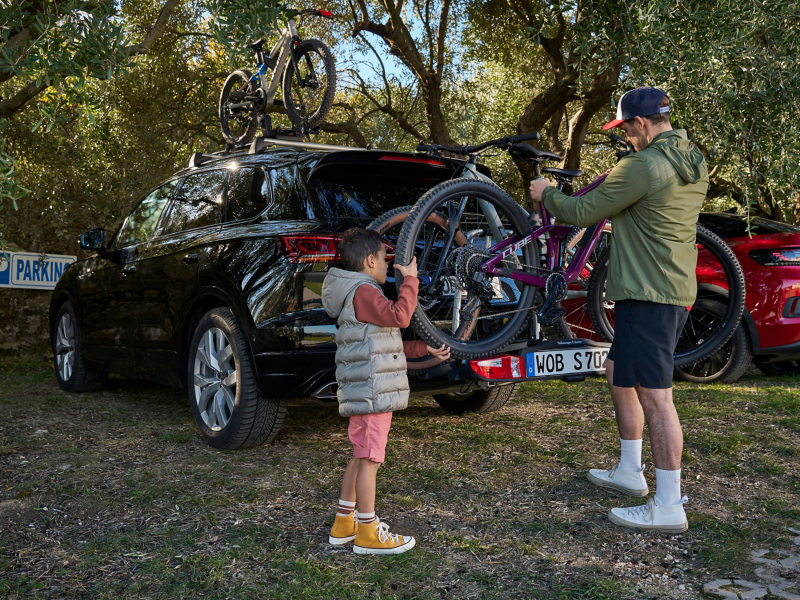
{"points": [[645, 336]]}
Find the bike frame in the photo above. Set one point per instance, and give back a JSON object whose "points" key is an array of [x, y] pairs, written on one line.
{"points": [[553, 234], [281, 52]]}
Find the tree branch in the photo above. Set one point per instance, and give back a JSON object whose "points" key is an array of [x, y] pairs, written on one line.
{"points": [[349, 128], [155, 31]]}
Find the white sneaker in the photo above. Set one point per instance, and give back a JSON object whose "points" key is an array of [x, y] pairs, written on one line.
{"points": [[631, 483], [653, 516]]}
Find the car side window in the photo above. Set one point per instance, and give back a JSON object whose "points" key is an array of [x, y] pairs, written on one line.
{"points": [[198, 203], [248, 193], [141, 223], [287, 202]]}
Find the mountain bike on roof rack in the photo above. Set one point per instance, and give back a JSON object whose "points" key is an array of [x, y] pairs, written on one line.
{"points": [[481, 270], [305, 70]]}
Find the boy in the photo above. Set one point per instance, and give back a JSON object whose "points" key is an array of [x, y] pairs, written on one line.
{"points": [[371, 373]]}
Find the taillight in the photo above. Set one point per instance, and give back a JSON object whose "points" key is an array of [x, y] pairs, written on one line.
{"points": [[499, 367], [308, 248], [778, 257], [389, 251], [410, 159]]}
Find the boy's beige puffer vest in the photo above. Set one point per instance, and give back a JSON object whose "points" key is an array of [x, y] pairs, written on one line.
{"points": [[370, 364]]}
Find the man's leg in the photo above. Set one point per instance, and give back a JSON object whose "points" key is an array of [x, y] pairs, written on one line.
{"points": [[627, 476], [665, 511], [666, 440], [627, 409]]}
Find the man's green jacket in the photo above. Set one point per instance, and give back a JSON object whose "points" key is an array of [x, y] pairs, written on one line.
{"points": [[653, 198]]}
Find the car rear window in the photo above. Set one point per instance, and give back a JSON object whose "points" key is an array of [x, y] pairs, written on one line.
{"points": [[732, 226], [362, 201]]}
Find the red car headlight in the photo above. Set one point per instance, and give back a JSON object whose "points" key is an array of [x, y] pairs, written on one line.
{"points": [[776, 257]]}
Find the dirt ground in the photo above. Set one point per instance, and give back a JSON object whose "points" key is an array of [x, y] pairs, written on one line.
{"points": [[113, 494]]}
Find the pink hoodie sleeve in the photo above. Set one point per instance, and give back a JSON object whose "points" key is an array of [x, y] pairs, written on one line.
{"points": [[372, 306]]}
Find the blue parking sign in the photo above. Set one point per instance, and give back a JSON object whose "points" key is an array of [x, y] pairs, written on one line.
{"points": [[5, 268], [30, 271]]}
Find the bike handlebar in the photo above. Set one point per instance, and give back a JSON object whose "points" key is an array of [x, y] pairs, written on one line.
{"points": [[503, 142]]}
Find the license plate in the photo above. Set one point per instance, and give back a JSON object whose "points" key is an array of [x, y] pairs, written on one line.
{"points": [[565, 362]]}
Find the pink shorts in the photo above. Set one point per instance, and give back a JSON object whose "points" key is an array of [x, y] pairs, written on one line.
{"points": [[369, 434]]}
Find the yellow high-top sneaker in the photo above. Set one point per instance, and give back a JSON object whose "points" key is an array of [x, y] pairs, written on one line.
{"points": [[343, 530], [374, 538]]}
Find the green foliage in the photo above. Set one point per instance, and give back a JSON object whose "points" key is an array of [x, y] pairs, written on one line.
{"points": [[237, 23], [733, 71]]}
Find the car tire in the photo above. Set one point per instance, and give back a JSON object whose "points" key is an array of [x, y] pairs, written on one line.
{"points": [[73, 372], [478, 401], [725, 365], [784, 367], [228, 409]]}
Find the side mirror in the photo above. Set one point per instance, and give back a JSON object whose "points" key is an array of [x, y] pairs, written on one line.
{"points": [[94, 239]]}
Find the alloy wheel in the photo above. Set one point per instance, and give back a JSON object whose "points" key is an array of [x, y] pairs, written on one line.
{"points": [[215, 379], [65, 347]]}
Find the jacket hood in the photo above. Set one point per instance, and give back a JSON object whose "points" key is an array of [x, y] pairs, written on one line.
{"points": [[337, 286], [688, 161]]}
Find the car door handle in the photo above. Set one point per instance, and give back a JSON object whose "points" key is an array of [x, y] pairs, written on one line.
{"points": [[129, 270], [190, 259]]}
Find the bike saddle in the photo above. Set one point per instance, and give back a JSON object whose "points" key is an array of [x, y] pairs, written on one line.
{"points": [[256, 46], [566, 173], [526, 151]]}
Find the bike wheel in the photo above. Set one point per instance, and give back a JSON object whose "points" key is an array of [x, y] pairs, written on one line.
{"points": [[239, 106], [725, 365], [491, 314], [389, 225], [309, 100], [688, 352]]}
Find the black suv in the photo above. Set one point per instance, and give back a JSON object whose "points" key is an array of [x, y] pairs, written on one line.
{"points": [[213, 284]]}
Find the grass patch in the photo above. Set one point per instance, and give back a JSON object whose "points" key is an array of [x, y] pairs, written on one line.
{"points": [[137, 505]]}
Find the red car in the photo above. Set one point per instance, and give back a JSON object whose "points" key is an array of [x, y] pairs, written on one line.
{"points": [[769, 333]]}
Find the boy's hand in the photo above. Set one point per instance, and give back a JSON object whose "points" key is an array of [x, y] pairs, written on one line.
{"points": [[443, 352], [409, 270]]}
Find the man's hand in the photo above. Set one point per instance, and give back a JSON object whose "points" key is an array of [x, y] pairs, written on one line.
{"points": [[538, 186], [443, 352], [409, 270]]}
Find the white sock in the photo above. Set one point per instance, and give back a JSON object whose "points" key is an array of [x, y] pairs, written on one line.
{"points": [[631, 455], [366, 517], [668, 487], [345, 507]]}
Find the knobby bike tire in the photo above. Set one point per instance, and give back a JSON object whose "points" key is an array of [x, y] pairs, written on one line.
{"points": [[396, 217], [733, 310], [326, 104], [227, 87], [404, 252]]}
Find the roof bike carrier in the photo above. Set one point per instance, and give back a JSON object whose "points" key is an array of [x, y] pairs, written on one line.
{"points": [[290, 138]]}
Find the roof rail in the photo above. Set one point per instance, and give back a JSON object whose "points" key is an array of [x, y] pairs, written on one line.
{"points": [[262, 143]]}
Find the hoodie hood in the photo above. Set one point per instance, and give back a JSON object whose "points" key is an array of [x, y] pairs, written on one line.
{"points": [[337, 286], [683, 155]]}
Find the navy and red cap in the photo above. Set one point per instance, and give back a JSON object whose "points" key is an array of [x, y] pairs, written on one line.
{"points": [[641, 102]]}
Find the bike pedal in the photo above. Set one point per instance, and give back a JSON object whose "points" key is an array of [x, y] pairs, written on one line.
{"points": [[551, 316]]}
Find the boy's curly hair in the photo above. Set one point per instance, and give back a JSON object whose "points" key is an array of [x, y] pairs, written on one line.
{"points": [[356, 245]]}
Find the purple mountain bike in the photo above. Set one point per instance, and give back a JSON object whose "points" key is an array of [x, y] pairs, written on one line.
{"points": [[488, 269]]}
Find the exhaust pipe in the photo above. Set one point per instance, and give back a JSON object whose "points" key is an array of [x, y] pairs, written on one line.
{"points": [[326, 392]]}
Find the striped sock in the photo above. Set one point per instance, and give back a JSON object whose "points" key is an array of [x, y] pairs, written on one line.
{"points": [[345, 507], [366, 518]]}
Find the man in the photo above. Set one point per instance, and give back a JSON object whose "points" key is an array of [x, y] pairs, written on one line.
{"points": [[653, 198]]}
